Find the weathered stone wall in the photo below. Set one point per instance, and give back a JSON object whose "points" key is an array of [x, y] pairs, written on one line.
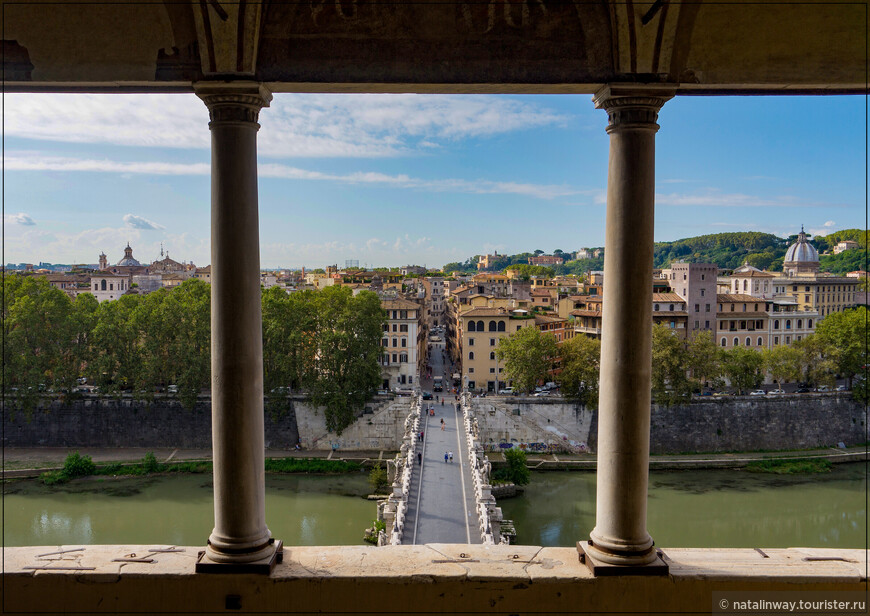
{"points": [[731, 424], [749, 423]]}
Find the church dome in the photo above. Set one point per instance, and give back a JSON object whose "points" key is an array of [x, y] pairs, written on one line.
{"points": [[801, 251], [128, 259]]}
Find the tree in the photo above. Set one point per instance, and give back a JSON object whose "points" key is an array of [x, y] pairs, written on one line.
{"points": [[116, 347], [783, 363], [289, 323], [516, 471], [702, 358], [819, 360], [669, 364], [743, 367], [845, 334], [581, 363], [347, 344], [528, 357]]}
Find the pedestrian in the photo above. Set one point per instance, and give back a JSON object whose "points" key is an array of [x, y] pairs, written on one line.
{"points": [[445, 456], [451, 456], [419, 458]]}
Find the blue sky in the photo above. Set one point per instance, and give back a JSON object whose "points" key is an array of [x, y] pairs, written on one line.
{"points": [[412, 179]]}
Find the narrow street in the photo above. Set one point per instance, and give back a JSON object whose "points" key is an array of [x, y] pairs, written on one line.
{"points": [[441, 504]]}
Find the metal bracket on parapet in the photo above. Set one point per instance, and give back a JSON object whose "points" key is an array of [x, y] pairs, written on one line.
{"points": [[264, 566], [601, 569]]}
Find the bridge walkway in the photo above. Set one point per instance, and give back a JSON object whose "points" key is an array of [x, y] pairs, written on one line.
{"points": [[441, 506]]}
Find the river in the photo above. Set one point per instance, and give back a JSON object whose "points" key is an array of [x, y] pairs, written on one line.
{"points": [[686, 509]]}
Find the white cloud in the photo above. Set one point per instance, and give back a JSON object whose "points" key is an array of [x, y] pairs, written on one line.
{"points": [[19, 219], [715, 198], [137, 222], [295, 125], [34, 161]]}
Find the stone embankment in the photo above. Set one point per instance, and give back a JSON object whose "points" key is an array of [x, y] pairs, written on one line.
{"points": [[537, 425]]}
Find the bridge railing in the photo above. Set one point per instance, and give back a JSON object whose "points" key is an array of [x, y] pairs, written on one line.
{"points": [[396, 507], [488, 515]]}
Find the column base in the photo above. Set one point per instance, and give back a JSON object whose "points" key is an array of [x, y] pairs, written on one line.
{"points": [[599, 568], [264, 566]]}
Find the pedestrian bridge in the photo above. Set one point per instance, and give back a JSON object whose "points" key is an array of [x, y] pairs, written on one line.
{"points": [[441, 491]]}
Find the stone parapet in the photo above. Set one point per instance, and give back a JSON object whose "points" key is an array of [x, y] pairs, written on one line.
{"points": [[433, 578]]}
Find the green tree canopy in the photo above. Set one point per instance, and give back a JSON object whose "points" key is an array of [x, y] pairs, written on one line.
{"points": [[528, 356], [579, 376], [743, 367], [670, 362]]}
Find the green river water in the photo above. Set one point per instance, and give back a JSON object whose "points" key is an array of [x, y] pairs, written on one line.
{"points": [[686, 509]]}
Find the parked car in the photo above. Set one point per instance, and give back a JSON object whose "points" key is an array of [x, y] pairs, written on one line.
{"points": [[803, 390], [427, 395], [775, 392], [822, 388], [541, 394], [758, 392], [506, 391], [550, 385], [172, 389], [841, 388]]}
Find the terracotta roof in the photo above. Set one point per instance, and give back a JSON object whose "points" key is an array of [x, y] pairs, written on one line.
{"points": [[486, 312], [540, 318], [399, 304], [668, 297], [737, 297], [585, 313]]}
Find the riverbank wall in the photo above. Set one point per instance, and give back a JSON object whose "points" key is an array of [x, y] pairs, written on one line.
{"points": [[534, 424]]}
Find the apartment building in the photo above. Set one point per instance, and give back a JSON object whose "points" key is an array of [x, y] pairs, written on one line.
{"points": [[403, 343], [695, 284], [479, 331]]}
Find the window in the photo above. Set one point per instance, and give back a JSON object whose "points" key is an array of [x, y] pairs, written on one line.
{"points": [[723, 341], [471, 355], [737, 342], [471, 326], [759, 341], [776, 340], [395, 314], [702, 278], [492, 342], [395, 358], [501, 326], [732, 307], [471, 342], [671, 307], [403, 327], [395, 342], [788, 339], [103, 285], [744, 307], [492, 356], [788, 324], [776, 324], [492, 326], [385, 342], [721, 324], [403, 358], [404, 342], [748, 341], [706, 307], [480, 326], [386, 327], [702, 292], [656, 308], [404, 314], [800, 324], [696, 325], [706, 324], [492, 370], [697, 308], [809, 323], [745, 285], [395, 327]]}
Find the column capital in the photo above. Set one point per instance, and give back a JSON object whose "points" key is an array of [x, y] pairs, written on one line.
{"points": [[632, 106], [233, 101]]}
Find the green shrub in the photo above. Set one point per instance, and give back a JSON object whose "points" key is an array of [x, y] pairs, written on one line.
{"points": [[149, 463], [310, 465], [378, 479], [78, 466], [51, 478], [790, 467], [377, 527], [516, 471]]}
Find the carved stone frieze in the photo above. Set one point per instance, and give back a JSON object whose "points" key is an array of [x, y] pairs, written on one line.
{"points": [[233, 102]]}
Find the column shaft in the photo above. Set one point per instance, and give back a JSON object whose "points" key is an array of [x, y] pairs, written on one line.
{"points": [[240, 533], [620, 535]]}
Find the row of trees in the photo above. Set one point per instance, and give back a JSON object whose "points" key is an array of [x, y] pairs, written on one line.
{"points": [[326, 343], [681, 367]]}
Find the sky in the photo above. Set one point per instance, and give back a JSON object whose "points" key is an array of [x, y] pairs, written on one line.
{"points": [[393, 180]]}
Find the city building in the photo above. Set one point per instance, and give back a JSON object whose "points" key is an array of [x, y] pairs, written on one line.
{"points": [[546, 260], [480, 330], [109, 286], [695, 284], [403, 343]]}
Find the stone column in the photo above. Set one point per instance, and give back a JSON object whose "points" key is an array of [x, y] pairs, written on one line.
{"points": [[240, 534], [620, 536]]}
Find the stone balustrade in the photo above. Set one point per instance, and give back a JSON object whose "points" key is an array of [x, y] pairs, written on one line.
{"points": [[489, 516], [396, 507]]}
